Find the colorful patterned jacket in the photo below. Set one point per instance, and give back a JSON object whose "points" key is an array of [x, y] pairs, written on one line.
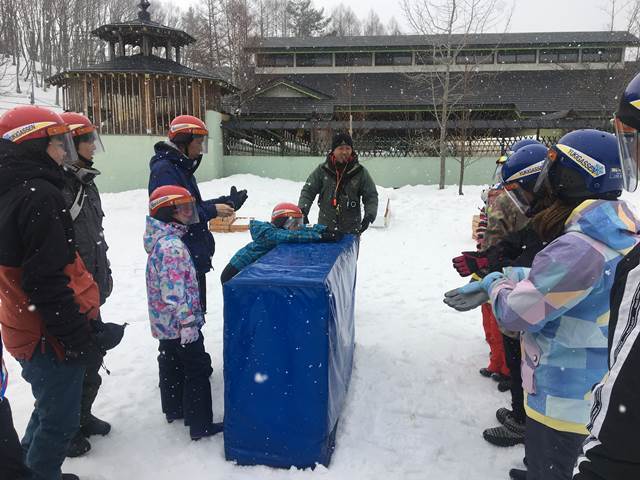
{"points": [[266, 236], [172, 285], [562, 305]]}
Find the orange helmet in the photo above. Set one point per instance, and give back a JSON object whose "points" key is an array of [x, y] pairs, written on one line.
{"points": [[167, 201], [284, 213], [82, 130], [29, 122], [184, 128]]}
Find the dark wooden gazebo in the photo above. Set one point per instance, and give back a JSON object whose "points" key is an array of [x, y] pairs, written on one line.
{"points": [[143, 85]]}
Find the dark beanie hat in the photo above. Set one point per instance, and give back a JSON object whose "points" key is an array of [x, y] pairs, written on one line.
{"points": [[340, 139]]}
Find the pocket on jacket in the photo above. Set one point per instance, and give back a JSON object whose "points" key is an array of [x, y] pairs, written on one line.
{"points": [[530, 360]]}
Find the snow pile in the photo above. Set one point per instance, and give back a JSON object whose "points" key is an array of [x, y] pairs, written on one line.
{"points": [[416, 407]]}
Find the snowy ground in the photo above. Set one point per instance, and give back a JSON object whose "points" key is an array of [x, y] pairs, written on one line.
{"points": [[416, 407], [10, 99]]}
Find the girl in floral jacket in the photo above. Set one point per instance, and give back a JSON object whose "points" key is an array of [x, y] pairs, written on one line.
{"points": [[175, 312]]}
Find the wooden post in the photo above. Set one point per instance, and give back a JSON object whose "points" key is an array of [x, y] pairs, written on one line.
{"points": [[112, 51], [147, 105], [177, 54], [96, 102]]}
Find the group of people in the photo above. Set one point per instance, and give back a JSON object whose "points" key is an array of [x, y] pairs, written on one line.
{"points": [[557, 275], [55, 274]]}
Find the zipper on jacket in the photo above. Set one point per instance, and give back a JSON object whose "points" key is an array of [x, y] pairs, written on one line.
{"points": [[42, 344]]}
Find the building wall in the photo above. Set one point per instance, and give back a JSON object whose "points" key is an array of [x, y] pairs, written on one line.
{"points": [[386, 171]]}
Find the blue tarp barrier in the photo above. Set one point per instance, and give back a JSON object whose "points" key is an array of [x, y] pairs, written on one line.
{"points": [[288, 353]]}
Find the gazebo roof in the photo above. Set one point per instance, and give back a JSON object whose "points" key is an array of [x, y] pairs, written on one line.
{"points": [[149, 64], [132, 31]]}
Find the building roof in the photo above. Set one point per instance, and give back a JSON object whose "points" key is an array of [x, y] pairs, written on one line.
{"points": [[133, 30], [529, 93], [616, 38], [143, 64]]}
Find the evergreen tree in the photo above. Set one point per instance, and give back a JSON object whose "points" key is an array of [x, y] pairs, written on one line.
{"points": [[305, 20]]}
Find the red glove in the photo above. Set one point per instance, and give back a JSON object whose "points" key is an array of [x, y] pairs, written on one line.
{"points": [[470, 262]]}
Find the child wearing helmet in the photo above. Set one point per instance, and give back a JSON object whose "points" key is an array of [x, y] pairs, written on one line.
{"points": [[561, 304], [610, 451], [175, 312], [286, 226]]}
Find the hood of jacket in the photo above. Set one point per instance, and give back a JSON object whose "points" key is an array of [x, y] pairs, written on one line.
{"points": [[167, 151], [349, 166], [610, 222], [18, 166], [156, 230]]}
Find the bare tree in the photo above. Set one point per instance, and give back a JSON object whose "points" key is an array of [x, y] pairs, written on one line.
{"points": [[344, 22], [373, 25], [450, 26], [393, 27]]}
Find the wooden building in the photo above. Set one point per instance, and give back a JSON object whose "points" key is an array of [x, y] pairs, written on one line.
{"points": [[143, 85]]}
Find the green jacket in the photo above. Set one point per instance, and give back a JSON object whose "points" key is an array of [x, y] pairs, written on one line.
{"points": [[355, 184]]}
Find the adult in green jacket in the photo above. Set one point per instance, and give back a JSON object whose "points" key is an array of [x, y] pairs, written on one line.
{"points": [[341, 183]]}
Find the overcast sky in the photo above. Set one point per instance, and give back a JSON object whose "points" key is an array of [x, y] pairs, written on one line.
{"points": [[529, 15]]}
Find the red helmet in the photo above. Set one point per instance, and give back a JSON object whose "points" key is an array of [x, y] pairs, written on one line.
{"points": [[187, 125], [83, 130], [282, 212], [168, 200], [29, 122]]}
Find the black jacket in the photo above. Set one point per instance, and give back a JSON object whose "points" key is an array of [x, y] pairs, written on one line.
{"points": [[36, 240], [88, 231]]}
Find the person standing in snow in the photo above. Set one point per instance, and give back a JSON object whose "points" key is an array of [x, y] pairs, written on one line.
{"points": [[562, 303], [175, 163], [286, 226], [611, 450], [11, 456], [83, 198], [175, 312], [516, 248], [340, 184], [48, 297]]}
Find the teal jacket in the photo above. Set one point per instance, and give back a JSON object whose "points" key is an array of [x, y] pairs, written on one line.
{"points": [[562, 306], [266, 236]]}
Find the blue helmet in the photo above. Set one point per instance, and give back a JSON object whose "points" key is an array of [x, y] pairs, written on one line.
{"points": [[520, 173], [522, 143], [627, 122], [583, 164]]}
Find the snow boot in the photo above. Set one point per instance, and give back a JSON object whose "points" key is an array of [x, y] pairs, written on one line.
{"points": [[78, 446], [504, 385], [485, 372], [502, 437], [95, 426], [171, 417], [210, 431], [517, 474], [502, 414], [499, 377], [516, 427], [69, 476]]}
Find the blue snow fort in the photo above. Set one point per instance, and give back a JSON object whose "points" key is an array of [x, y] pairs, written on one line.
{"points": [[288, 353]]}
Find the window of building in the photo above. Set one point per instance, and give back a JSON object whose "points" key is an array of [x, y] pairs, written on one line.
{"points": [[275, 60], [602, 55], [517, 56], [559, 56], [314, 60], [353, 59], [394, 58], [424, 58], [473, 57]]}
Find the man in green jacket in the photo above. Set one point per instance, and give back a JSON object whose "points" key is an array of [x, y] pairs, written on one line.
{"points": [[341, 182]]}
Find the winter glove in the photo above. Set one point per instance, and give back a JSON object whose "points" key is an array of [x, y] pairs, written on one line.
{"points": [[470, 262], [366, 221], [88, 355], [107, 335], [473, 294], [189, 335], [331, 236], [238, 197]]}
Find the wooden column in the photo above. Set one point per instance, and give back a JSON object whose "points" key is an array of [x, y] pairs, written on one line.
{"points": [[177, 54], [147, 104], [97, 103]]}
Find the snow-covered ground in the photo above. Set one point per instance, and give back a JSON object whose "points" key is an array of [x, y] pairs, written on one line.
{"points": [[416, 406]]}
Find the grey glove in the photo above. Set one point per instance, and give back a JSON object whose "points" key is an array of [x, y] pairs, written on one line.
{"points": [[465, 299]]}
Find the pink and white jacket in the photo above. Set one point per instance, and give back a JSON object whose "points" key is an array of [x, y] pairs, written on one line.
{"points": [[172, 284]]}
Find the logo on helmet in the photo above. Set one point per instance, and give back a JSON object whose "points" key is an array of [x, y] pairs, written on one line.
{"points": [[590, 165], [17, 133], [531, 170]]}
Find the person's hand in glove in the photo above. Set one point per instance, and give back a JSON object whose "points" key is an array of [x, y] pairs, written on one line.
{"points": [[366, 221], [472, 295], [469, 263], [238, 197], [331, 236], [189, 335], [85, 355]]}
